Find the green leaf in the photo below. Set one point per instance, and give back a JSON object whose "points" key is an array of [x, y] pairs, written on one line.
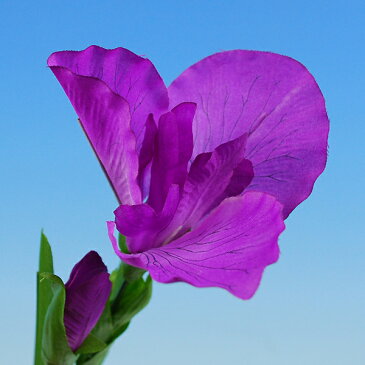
{"points": [[135, 296], [91, 345], [45, 255], [44, 294], [55, 348]]}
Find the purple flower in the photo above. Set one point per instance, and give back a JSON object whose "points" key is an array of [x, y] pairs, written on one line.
{"points": [[206, 169], [87, 292]]}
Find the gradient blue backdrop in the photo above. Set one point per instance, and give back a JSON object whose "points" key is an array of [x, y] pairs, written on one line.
{"points": [[310, 308]]}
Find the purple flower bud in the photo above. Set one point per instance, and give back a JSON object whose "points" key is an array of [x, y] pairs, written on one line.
{"points": [[87, 292]]}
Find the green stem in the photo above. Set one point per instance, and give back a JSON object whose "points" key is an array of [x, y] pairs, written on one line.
{"points": [[39, 329]]}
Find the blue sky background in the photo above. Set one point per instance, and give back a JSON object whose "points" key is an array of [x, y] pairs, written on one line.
{"points": [[310, 308]]}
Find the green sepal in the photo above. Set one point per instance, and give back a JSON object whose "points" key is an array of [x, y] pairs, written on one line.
{"points": [[134, 297], [131, 273], [120, 330], [122, 243], [93, 359], [117, 279], [91, 345], [102, 330], [55, 348]]}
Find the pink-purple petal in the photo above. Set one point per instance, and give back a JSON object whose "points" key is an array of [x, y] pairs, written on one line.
{"points": [[229, 249], [105, 119], [211, 179], [276, 101], [141, 223], [146, 156], [128, 75], [173, 149], [87, 291], [241, 178]]}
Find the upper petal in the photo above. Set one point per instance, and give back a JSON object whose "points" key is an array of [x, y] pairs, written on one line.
{"points": [[87, 291], [229, 249], [146, 156], [131, 76], [211, 179], [105, 119], [276, 101], [173, 149]]}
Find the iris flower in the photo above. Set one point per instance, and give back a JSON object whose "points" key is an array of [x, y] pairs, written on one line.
{"points": [[87, 291], [205, 170]]}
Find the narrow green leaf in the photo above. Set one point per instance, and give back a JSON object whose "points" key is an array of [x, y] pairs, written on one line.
{"points": [[44, 295], [45, 255], [55, 348], [91, 345]]}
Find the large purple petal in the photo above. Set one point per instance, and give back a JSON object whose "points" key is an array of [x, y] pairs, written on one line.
{"points": [[229, 249], [131, 76], [276, 101], [105, 118], [173, 149], [87, 291]]}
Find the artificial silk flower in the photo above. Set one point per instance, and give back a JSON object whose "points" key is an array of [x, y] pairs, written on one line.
{"points": [[87, 291], [205, 170]]}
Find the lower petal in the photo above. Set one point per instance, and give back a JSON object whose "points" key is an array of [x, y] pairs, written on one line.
{"points": [[229, 249], [141, 223]]}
